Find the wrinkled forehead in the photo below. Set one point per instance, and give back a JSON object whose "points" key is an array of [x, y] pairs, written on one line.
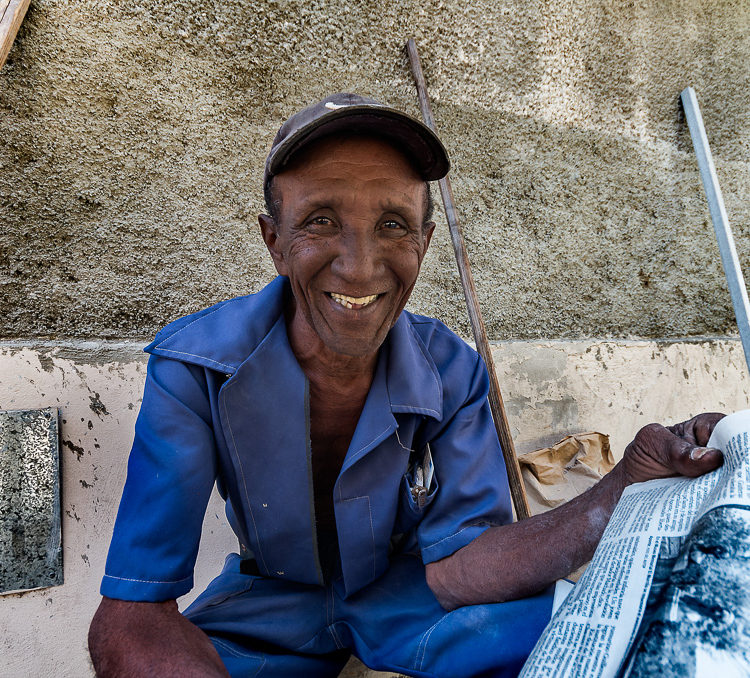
{"points": [[365, 172]]}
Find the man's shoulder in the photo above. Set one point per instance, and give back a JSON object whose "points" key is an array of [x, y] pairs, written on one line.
{"points": [[439, 340], [455, 361], [457, 366], [223, 335]]}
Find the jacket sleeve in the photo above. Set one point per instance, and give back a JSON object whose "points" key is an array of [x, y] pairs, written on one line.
{"points": [[171, 472], [472, 487]]}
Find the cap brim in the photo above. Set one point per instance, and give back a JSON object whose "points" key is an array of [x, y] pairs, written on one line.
{"points": [[415, 139]]}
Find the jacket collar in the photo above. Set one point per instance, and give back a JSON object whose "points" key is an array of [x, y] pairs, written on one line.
{"points": [[223, 336], [226, 335]]}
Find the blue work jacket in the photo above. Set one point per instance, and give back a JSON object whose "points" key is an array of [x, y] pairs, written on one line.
{"points": [[225, 401]]}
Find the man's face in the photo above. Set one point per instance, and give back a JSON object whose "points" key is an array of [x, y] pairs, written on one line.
{"points": [[350, 236]]}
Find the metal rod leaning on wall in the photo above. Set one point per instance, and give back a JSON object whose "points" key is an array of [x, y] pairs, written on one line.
{"points": [[517, 491], [11, 16], [724, 237]]}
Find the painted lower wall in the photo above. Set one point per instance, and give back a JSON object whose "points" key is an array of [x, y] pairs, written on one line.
{"points": [[550, 389]]}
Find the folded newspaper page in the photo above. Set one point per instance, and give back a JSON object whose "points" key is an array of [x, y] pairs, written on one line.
{"points": [[656, 532]]}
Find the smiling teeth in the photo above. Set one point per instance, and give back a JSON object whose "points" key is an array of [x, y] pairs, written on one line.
{"points": [[350, 302]]}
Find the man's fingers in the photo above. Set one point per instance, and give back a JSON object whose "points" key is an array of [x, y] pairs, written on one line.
{"points": [[649, 455], [697, 430], [658, 452], [690, 460], [684, 430], [686, 455], [704, 424]]}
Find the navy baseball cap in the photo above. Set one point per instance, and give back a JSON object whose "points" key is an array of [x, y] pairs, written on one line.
{"points": [[355, 114]]}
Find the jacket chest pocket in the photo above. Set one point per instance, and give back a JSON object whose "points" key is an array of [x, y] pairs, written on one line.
{"points": [[418, 489]]}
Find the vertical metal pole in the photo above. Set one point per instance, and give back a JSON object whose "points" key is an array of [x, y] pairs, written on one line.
{"points": [[719, 218]]}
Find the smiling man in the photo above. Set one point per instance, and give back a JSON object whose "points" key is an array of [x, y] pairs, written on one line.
{"points": [[353, 444]]}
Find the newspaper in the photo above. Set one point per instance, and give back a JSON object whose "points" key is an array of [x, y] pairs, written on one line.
{"points": [[594, 629]]}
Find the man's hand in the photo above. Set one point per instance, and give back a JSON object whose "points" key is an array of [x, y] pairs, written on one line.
{"points": [[129, 639], [659, 452]]}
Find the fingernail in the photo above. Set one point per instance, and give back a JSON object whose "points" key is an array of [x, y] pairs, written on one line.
{"points": [[698, 452]]}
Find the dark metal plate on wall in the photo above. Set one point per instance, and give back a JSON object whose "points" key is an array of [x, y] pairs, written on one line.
{"points": [[30, 536]]}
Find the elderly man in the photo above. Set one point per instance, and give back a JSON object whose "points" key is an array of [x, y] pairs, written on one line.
{"points": [[353, 444]]}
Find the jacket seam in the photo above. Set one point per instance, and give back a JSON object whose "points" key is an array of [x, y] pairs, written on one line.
{"points": [[192, 322], [450, 536], [244, 481], [358, 453], [414, 408], [372, 527], [239, 653], [422, 648], [148, 581], [195, 355], [430, 364]]}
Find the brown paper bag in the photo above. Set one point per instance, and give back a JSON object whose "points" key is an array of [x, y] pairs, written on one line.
{"points": [[556, 474]]}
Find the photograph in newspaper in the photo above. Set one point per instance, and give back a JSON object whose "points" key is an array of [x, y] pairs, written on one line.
{"points": [[657, 537], [697, 623]]}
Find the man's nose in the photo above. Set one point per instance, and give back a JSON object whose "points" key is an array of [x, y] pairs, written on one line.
{"points": [[357, 257]]}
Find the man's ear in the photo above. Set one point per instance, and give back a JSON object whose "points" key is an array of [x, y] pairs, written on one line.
{"points": [[427, 231], [271, 237]]}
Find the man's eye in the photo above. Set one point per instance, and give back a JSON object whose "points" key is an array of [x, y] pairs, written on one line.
{"points": [[392, 225], [320, 221]]}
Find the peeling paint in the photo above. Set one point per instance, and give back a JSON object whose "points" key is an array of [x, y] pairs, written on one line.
{"points": [[76, 449], [97, 406]]}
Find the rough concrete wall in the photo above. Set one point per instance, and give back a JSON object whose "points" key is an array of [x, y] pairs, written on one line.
{"points": [[132, 138], [551, 389]]}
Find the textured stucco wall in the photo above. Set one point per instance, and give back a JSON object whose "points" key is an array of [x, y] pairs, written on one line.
{"points": [[550, 388], [132, 137]]}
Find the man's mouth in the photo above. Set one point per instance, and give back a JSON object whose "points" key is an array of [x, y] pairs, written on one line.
{"points": [[353, 302]]}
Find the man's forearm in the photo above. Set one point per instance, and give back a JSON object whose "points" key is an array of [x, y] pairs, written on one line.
{"points": [[513, 561], [128, 639]]}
